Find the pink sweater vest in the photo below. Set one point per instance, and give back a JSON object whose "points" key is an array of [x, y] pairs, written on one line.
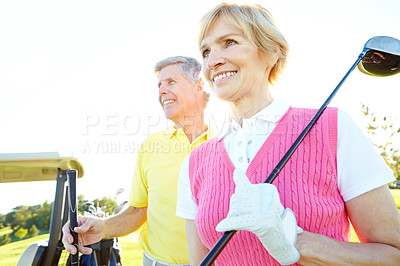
{"points": [[307, 184]]}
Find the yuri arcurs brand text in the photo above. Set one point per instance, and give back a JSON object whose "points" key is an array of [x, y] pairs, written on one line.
{"points": [[133, 147]]}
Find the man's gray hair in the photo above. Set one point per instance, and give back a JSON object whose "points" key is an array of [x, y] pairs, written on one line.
{"points": [[189, 67]]}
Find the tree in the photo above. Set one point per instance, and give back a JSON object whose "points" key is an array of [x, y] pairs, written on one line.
{"points": [[33, 231], [42, 220], [382, 132], [107, 204], [2, 221], [5, 239], [21, 233], [18, 217], [81, 203], [27, 216]]}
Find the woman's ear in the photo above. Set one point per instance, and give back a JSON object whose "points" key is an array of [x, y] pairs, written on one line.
{"points": [[276, 56], [271, 59]]}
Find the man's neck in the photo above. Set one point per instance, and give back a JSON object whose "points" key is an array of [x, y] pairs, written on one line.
{"points": [[193, 126]]}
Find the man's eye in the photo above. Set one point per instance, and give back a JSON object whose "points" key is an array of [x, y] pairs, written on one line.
{"points": [[172, 82]]}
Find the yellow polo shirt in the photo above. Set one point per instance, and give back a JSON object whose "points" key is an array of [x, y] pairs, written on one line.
{"points": [[155, 185]]}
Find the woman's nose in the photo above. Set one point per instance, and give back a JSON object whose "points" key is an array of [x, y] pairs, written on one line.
{"points": [[214, 59]]}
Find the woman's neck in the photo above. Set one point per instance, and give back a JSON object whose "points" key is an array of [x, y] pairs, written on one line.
{"points": [[249, 106]]}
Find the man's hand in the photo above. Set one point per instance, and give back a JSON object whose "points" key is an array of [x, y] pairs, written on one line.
{"points": [[90, 231], [257, 208]]}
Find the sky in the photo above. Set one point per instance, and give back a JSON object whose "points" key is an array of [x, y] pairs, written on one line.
{"points": [[76, 77]]}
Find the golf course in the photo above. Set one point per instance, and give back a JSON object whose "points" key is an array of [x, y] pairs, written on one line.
{"points": [[131, 253]]}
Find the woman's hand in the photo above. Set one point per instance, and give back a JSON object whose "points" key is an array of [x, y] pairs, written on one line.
{"points": [[257, 208]]}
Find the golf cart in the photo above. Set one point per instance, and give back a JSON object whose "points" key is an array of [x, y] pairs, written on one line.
{"points": [[27, 167]]}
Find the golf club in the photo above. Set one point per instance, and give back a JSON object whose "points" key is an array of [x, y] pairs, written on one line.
{"points": [[73, 212], [379, 57], [382, 58]]}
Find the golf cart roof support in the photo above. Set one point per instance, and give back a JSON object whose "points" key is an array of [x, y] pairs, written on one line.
{"points": [[59, 215]]}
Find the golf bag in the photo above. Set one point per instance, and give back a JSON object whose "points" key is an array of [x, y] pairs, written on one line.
{"points": [[107, 252]]}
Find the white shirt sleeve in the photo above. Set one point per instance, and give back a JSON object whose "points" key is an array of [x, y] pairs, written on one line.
{"points": [[186, 206], [360, 167]]}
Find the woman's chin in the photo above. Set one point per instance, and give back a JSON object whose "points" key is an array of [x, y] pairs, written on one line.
{"points": [[223, 95]]}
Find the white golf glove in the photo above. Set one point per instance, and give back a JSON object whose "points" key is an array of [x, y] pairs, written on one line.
{"points": [[257, 208]]}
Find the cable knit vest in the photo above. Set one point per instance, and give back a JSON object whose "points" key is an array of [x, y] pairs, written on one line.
{"points": [[307, 184]]}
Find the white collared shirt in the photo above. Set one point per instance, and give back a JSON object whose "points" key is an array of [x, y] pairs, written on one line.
{"points": [[243, 142], [360, 167]]}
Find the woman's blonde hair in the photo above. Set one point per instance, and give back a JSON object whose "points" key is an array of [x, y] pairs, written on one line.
{"points": [[259, 28]]}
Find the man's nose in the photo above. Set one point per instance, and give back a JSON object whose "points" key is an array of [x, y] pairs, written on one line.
{"points": [[163, 89]]}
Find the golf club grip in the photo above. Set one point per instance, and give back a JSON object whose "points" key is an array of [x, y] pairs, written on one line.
{"points": [[73, 214], [218, 247], [223, 241]]}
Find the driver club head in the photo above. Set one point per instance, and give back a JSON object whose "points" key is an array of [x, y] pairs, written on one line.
{"points": [[382, 58]]}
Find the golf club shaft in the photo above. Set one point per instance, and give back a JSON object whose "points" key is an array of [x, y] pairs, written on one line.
{"points": [[223, 241], [73, 213]]}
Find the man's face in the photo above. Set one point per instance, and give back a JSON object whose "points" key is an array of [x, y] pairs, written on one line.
{"points": [[177, 95]]}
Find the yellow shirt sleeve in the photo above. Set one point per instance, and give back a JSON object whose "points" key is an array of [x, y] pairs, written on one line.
{"points": [[139, 190]]}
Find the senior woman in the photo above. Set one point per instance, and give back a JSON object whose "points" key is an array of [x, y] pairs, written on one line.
{"points": [[335, 177]]}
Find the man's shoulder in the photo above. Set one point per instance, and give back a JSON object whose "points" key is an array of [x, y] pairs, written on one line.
{"points": [[210, 143], [158, 136]]}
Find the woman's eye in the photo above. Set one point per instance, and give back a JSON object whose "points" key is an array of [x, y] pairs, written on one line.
{"points": [[205, 53], [230, 42]]}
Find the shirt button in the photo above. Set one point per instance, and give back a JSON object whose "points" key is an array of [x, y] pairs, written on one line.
{"points": [[249, 142], [239, 143], [240, 159], [185, 146]]}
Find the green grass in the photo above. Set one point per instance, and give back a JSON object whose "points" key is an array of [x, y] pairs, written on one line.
{"points": [[10, 253], [131, 253]]}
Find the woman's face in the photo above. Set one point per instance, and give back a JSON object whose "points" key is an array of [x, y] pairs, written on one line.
{"points": [[232, 65]]}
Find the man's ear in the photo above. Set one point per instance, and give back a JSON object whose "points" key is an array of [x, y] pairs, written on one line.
{"points": [[200, 85]]}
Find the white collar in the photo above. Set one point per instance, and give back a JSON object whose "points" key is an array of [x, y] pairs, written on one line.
{"points": [[271, 113]]}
